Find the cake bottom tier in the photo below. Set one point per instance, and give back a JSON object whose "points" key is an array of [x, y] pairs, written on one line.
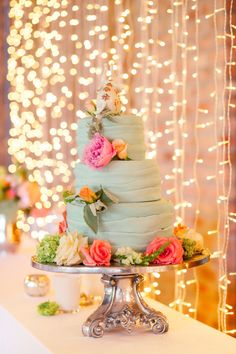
{"points": [[132, 225]]}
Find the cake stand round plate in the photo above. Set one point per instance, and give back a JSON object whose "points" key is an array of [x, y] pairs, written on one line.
{"points": [[115, 269], [122, 305]]}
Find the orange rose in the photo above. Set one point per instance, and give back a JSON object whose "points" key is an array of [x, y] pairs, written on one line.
{"points": [[180, 230], [121, 148], [87, 195], [123, 155]]}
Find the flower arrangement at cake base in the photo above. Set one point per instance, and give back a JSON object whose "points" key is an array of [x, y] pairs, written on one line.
{"points": [[68, 249]]}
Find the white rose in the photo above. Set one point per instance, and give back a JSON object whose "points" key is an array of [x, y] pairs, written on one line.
{"points": [[68, 249]]}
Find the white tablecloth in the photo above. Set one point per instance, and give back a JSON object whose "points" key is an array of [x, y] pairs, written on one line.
{"points": [[23, 331]]}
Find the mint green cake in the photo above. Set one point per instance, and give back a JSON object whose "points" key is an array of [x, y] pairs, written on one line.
{"points": [[141, 214]]}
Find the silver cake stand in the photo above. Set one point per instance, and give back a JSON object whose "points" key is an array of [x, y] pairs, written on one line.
{"points": [[122, 305]]}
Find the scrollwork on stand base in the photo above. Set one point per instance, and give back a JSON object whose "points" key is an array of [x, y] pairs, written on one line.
{"points": [[94, 329], [123, 307], [158, 324], [127, 319]]}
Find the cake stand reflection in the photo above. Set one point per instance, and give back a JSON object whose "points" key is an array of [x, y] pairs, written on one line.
{"points": [[122, 305]]}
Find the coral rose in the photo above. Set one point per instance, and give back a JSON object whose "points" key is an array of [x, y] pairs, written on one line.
{"points": [[121, 148], [99, 152], [62, 227], [173, 253], [100, 251], [87, 259], [87, 195]]}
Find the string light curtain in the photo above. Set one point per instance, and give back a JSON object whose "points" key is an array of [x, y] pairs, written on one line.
{"points": [[171, 59]]}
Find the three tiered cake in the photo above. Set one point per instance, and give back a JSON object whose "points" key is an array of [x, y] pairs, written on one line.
{"points": [[116, 213], [140, 213]]}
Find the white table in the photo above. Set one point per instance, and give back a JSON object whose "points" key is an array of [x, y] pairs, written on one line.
{"points": [[23, 331]]}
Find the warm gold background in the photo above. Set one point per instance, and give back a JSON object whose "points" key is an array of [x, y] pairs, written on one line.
{"points": [[171, 59]]}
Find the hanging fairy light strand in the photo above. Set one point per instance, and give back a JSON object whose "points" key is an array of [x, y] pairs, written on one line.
{"points": [[222, 197], [216, 115], [179, 33], [196, 141], [225, 309]]}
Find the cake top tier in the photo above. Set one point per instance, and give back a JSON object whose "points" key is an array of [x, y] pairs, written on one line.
{"points": [[126, 127], [105, 125]]}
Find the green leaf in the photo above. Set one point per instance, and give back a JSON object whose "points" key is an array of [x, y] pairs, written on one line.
{"points": [[106, 113], [120, 256], [189, 247], [68, 196], [92, 114], [150, 258], [116, 158], [48, 308], [99, 193], [108, 198], [67, 193], [90, 219]]}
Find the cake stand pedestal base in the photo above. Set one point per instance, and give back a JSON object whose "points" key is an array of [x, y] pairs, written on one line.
{"points": [[123, 307]]}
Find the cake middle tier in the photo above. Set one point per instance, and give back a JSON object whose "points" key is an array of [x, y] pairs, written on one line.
{"points": [[129, 181], [132, 225]]}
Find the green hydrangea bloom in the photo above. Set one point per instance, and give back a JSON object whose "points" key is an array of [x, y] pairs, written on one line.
{"points": [[47, 248], [189, 247], [48, 308]]}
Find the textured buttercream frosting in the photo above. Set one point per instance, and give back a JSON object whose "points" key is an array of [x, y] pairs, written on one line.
{"points": [[140, 214], [136, 181], [126, 224], [127, 127]]}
